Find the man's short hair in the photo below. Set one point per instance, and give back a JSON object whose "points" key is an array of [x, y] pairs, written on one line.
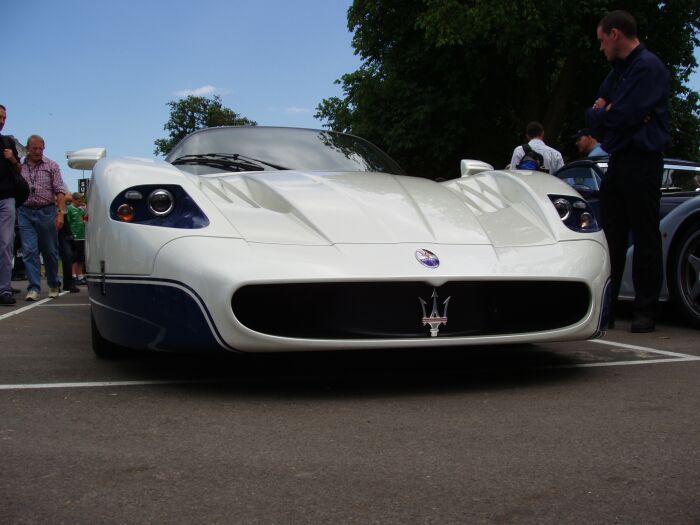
{"points": [[620, 20], [534, 129], [36, 137], [3, 107]]}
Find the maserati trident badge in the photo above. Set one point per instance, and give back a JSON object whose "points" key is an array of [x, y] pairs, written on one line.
{"points": [[434, 320], [427, 258]]}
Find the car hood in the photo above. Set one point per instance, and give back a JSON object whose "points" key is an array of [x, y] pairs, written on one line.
{"points": [[291, 207]]}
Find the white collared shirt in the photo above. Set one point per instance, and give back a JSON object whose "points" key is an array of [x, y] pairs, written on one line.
{"points": [[552, 158]]}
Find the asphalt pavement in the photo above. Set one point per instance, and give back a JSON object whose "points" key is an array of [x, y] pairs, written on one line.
{"points": [[600, 431]]}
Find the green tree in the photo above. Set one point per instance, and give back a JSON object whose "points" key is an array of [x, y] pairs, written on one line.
{"points": [[192, 113], [448, 79]]}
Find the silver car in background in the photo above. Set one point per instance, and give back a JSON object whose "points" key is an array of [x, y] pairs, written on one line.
{"points": [[680, 227]]}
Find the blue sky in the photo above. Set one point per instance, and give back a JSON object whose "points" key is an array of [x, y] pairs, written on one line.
{"points": [[99, 73], [91, 73]]}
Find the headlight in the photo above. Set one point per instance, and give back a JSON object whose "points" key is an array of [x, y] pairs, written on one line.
{"points": [[160, 202], [563, 207], [585, 221], [164, 205], [575, 213]]}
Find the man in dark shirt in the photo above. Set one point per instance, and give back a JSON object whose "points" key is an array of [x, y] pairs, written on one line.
{"points": [[631, 116], [9, 163]]}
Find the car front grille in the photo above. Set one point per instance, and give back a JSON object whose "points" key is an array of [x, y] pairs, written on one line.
{"points": [[375, 310]]}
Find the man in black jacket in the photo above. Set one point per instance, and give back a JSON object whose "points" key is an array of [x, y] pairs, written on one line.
{"points": [[9, 164], [631, 116]]}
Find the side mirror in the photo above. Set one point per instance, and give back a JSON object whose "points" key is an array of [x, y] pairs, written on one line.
{"points": [[469, 167], [85, 159]]}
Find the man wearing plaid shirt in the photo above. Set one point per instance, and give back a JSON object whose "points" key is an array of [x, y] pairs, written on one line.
{"points": [[40, 218]]}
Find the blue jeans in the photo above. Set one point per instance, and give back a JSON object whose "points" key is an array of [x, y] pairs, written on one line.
{"points": [[37, 228], [7, 240]]}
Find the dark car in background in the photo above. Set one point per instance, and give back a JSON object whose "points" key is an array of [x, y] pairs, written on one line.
{"points": [[680, 227]]}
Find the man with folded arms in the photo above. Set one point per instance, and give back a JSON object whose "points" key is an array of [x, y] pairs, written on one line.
{"points": [[631, 117]]}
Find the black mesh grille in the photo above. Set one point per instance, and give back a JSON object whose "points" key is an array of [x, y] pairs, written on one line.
{"points": [[359, 310]]}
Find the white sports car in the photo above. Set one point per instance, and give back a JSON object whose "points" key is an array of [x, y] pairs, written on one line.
{"points": [[260, 239]]}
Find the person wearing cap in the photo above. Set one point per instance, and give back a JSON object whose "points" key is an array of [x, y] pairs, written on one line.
{"points": [[587, 144]]}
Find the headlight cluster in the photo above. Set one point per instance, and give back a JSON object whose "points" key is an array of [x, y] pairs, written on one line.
{"points": [[164, 205], [575, 213]]}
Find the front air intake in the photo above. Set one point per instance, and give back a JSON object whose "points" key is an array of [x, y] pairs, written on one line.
{"points": [[374, 310]]}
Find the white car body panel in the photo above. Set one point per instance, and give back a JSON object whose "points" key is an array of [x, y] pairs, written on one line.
{"points": [[315, 227], [256, 263]]}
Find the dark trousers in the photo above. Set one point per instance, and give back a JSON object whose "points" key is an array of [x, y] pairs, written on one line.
{"points": [[629, 203], [65, 253], [18, 273]]}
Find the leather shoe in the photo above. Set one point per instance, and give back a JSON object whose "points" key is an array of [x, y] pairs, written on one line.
{"points": [[73, 289], [642, 324], [6, 299]]}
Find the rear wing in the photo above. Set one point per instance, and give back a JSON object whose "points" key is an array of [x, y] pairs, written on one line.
{"points": [[85, 159]]}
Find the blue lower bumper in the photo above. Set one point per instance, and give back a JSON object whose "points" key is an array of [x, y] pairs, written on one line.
{"points": [[152, 314]]}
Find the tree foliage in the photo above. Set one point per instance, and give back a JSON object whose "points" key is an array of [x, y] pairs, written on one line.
{"points": [[448, 79], [192, 113]]}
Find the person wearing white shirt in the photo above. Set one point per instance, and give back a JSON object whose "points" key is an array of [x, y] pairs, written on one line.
{"points": [[535, 136]]}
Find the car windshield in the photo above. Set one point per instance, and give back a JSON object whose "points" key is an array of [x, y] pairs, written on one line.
{"points": [[579, 176], [251, 148], [680, 178]]}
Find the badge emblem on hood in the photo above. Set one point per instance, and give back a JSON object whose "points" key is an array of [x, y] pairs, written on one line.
{"points": [[434, 320], [427, 258]]}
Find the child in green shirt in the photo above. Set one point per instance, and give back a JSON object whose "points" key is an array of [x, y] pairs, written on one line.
{"points": [[75, 214]]}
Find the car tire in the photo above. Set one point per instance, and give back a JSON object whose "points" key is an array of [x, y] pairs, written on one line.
{"points": [[685, 274], [101, 347]]}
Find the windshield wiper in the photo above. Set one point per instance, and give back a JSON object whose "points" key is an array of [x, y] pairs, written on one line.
{"points": [[227, 160], [265, 163], [224, 162]]}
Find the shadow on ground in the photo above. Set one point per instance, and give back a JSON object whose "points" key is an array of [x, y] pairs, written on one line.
{"points": [[386, 372]]}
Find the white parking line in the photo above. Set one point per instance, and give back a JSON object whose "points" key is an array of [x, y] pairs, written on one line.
{"points": [[644, 349], [677, 357], [627, 363], [60, 304], [93, 384], [29, 307], [24, 309]]}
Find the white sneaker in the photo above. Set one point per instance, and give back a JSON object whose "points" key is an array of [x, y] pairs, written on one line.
{"points": [[32, 295], [53, 292]]}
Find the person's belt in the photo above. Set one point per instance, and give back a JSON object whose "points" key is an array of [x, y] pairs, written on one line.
{"points": [[38, 207]]}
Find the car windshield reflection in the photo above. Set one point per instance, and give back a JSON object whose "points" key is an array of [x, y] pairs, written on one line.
{"points": [[275, 148]]}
